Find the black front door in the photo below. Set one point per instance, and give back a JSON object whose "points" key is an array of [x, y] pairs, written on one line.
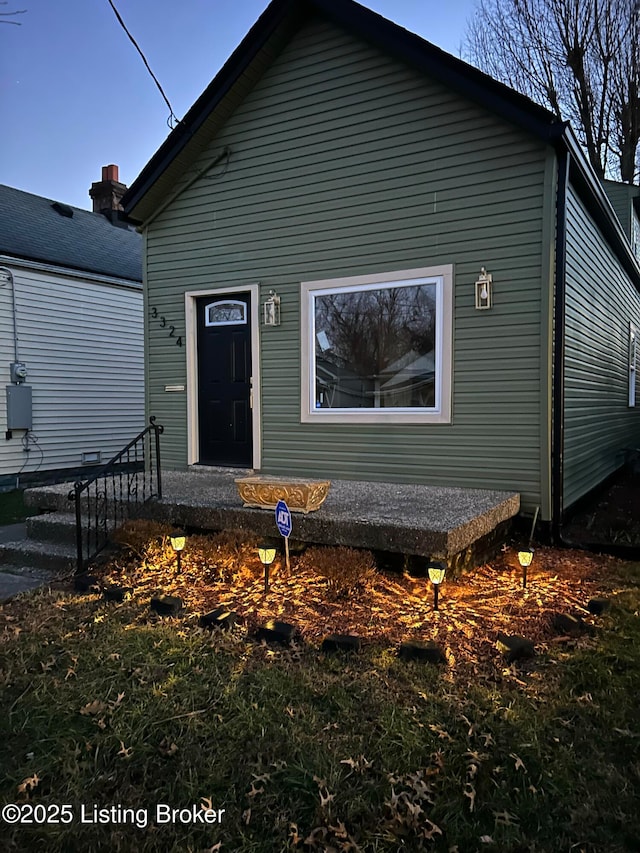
{"points": [[224, 380]]}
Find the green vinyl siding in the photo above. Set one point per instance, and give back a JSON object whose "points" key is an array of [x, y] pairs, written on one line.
{"points": [[346, 162], [600, 303], [620, 196]]}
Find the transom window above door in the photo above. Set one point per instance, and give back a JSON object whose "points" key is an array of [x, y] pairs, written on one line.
{"points": [[378, 347], [225, 312]]}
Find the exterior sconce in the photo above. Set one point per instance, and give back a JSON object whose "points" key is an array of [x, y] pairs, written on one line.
{"points": [[436, 576], [178, 541], [484, 286], [525, 559], [271, 309], [267, 556]]}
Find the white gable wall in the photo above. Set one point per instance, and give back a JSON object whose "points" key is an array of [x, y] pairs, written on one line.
{"points": [[81, 338]]}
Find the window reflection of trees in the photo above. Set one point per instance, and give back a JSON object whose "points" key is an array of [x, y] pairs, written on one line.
{"points": [[376, 348]]}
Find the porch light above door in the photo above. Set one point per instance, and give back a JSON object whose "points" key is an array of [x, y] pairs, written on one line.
{"points": [[484, 286]]}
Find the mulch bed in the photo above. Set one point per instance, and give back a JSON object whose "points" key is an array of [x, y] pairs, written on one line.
{"points": [[398, 607], [612, 516]]}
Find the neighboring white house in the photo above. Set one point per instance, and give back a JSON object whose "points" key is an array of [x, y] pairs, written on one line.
{"points": [[71, 334]]}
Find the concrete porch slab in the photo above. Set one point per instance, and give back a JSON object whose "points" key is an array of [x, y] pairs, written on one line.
{"points": [[427, 521], [406, 518]]}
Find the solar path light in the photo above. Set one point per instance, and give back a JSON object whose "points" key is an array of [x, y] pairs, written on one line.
{"points": [[267, 555], [436, 576], [178, 541], [525, 559]]}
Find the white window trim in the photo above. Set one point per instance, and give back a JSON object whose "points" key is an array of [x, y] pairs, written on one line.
{"points": [[633, 364], [191, 325], [443, 278]]}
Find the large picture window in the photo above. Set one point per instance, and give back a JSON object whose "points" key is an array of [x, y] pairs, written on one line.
{"points": [[378, 347]]}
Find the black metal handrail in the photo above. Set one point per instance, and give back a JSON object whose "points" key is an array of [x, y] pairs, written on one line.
{"points": [[116, 493]]}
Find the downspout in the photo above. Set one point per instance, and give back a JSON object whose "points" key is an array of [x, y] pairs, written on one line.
{"points": [[557, 425], [9, 274]]}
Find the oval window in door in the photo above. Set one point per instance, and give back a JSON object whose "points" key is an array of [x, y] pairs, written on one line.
{"points": [[226, 312]]}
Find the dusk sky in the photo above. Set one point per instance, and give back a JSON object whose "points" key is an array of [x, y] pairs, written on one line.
{"points": [[75, 95]]}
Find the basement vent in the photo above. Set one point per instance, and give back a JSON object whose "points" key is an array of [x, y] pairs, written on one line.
{"points": [[62, 209], [91, 457]]}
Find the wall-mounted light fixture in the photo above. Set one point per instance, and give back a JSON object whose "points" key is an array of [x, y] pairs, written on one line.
{"points": [[436, 576], [178, 541], [484, 286], [271, 309]]}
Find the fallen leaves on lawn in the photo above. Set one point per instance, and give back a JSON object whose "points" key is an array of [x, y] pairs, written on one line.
{"points": [[92, 709], [168, 748], [505, 818], [323, 791], [412, 796], [29, 784], [470, 792], [519, 763], [125, 751], [357, 765]]}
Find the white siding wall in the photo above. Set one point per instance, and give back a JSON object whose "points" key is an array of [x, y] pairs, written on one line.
{"points": [[82, 342]]}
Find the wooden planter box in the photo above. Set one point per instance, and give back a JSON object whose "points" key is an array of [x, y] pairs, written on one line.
{"points": [[300, 495]]}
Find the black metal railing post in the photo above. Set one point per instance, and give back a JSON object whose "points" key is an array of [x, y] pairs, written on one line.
{"points": [[103, 515], [79, 551], [157, 432]]}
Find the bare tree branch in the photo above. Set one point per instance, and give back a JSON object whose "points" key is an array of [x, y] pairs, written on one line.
{"points": [[579, 58]]}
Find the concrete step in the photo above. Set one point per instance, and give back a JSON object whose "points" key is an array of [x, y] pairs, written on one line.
{"points": [[54, 497], [53, 527], [47, 556]]}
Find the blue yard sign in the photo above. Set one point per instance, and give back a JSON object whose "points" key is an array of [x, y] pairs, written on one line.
{"points": [[283, 519]]}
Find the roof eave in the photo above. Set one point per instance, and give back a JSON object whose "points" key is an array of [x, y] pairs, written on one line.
{"points": [[43, 265], [586, 181], [220, 86]]}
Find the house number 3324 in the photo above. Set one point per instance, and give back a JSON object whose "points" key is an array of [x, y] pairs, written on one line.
{"points": [[171, 330]]}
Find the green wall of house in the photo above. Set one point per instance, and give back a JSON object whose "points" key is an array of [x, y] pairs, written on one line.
{"points": [[347, 162], [621, 197], [600, 304]]}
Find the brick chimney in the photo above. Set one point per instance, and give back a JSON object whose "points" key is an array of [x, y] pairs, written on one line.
{"points": [[108, 192]]}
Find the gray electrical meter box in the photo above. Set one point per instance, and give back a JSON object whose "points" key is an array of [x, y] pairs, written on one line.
{"points": [[19, 407]]}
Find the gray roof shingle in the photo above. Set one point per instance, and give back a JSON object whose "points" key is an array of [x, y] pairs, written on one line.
{"points": [[30, 228]]}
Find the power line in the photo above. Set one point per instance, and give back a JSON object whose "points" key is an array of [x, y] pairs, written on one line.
{"points": [[10, 14], [172, 120]]}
